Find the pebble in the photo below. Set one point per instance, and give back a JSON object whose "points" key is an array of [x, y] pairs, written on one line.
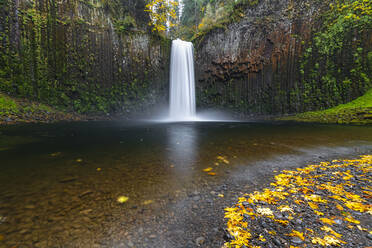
{"points": [[24, 231], [196, 198], [199, 241], [296, 240], [86, 211], [369, 236], [338, 221], [88, 192], [277, 242], [67, 179], [2, 219]]}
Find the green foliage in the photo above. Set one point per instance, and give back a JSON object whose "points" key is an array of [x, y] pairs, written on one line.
{"points": [[11, 106], [162, 14], [7, 105], [358, 111], [334, 67], [201, 16], [70, 63], [126, 24]]}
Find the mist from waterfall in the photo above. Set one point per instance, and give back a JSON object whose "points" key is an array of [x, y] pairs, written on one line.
{"points": [[182, 82]]}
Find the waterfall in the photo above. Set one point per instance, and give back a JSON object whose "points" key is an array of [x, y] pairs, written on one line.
{"points": [[182, 82]]}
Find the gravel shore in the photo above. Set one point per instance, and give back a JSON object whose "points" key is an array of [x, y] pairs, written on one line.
{"points": [[325, 204]]}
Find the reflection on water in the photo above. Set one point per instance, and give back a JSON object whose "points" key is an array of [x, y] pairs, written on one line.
{"points": [[182, 147]]}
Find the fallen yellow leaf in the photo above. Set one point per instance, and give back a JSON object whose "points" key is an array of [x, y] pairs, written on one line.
{"points": [[208, 169], [352, 220], [264, 211], [99, 169], [212, 173], [284, 208], [298, 234], [313, 205], [223, 159], [362, 228], [122, 199], [318, 213], [339, 207], [147, 202], [261, 238], [327, 221], [328, 229]]}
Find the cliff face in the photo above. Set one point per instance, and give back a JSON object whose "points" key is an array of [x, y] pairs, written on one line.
{"points": [[82, 55], [257, 65]]}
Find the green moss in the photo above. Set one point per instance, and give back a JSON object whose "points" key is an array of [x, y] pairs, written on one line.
{"points": [[358, 111], [7, 105], [217, 16], [16, 107], [125, 25]]}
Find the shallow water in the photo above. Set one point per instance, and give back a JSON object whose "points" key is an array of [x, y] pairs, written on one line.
{"points": [[49, 199]]}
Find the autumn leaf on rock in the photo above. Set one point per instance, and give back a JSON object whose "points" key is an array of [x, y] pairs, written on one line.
{"points": [[327, 221], [298, 234], [325, 188], [352, 220]]}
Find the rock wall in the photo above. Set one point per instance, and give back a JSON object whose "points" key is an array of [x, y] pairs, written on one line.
{"points": [[254, 66], [83, 55]]}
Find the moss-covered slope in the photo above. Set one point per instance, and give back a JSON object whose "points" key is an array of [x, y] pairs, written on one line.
{"points": [[21, 110], [358, 111]]}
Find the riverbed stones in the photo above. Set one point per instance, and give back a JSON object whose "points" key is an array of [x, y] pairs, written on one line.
{"points": [[200, 241]]}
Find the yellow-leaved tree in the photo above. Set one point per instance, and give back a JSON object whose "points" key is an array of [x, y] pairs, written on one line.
{"points": [[163, 14]]}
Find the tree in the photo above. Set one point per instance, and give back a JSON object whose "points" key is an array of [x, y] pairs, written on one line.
{"points": [[163, 14]]}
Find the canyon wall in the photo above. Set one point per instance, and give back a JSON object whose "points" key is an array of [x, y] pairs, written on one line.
{"points": [[269, 62], [83, 55]]}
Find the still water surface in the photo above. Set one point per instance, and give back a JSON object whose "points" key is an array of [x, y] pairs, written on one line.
{"points": [[59, 182]]}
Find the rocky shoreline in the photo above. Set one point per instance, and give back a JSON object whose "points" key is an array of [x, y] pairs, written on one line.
{"points": [[325, 204]]}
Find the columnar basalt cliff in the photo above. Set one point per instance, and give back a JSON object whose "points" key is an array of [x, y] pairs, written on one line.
{"points": [[267, 63], [83, 55]]}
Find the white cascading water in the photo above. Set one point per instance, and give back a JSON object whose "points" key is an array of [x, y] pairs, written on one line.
{"points": [[182, 82]]}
